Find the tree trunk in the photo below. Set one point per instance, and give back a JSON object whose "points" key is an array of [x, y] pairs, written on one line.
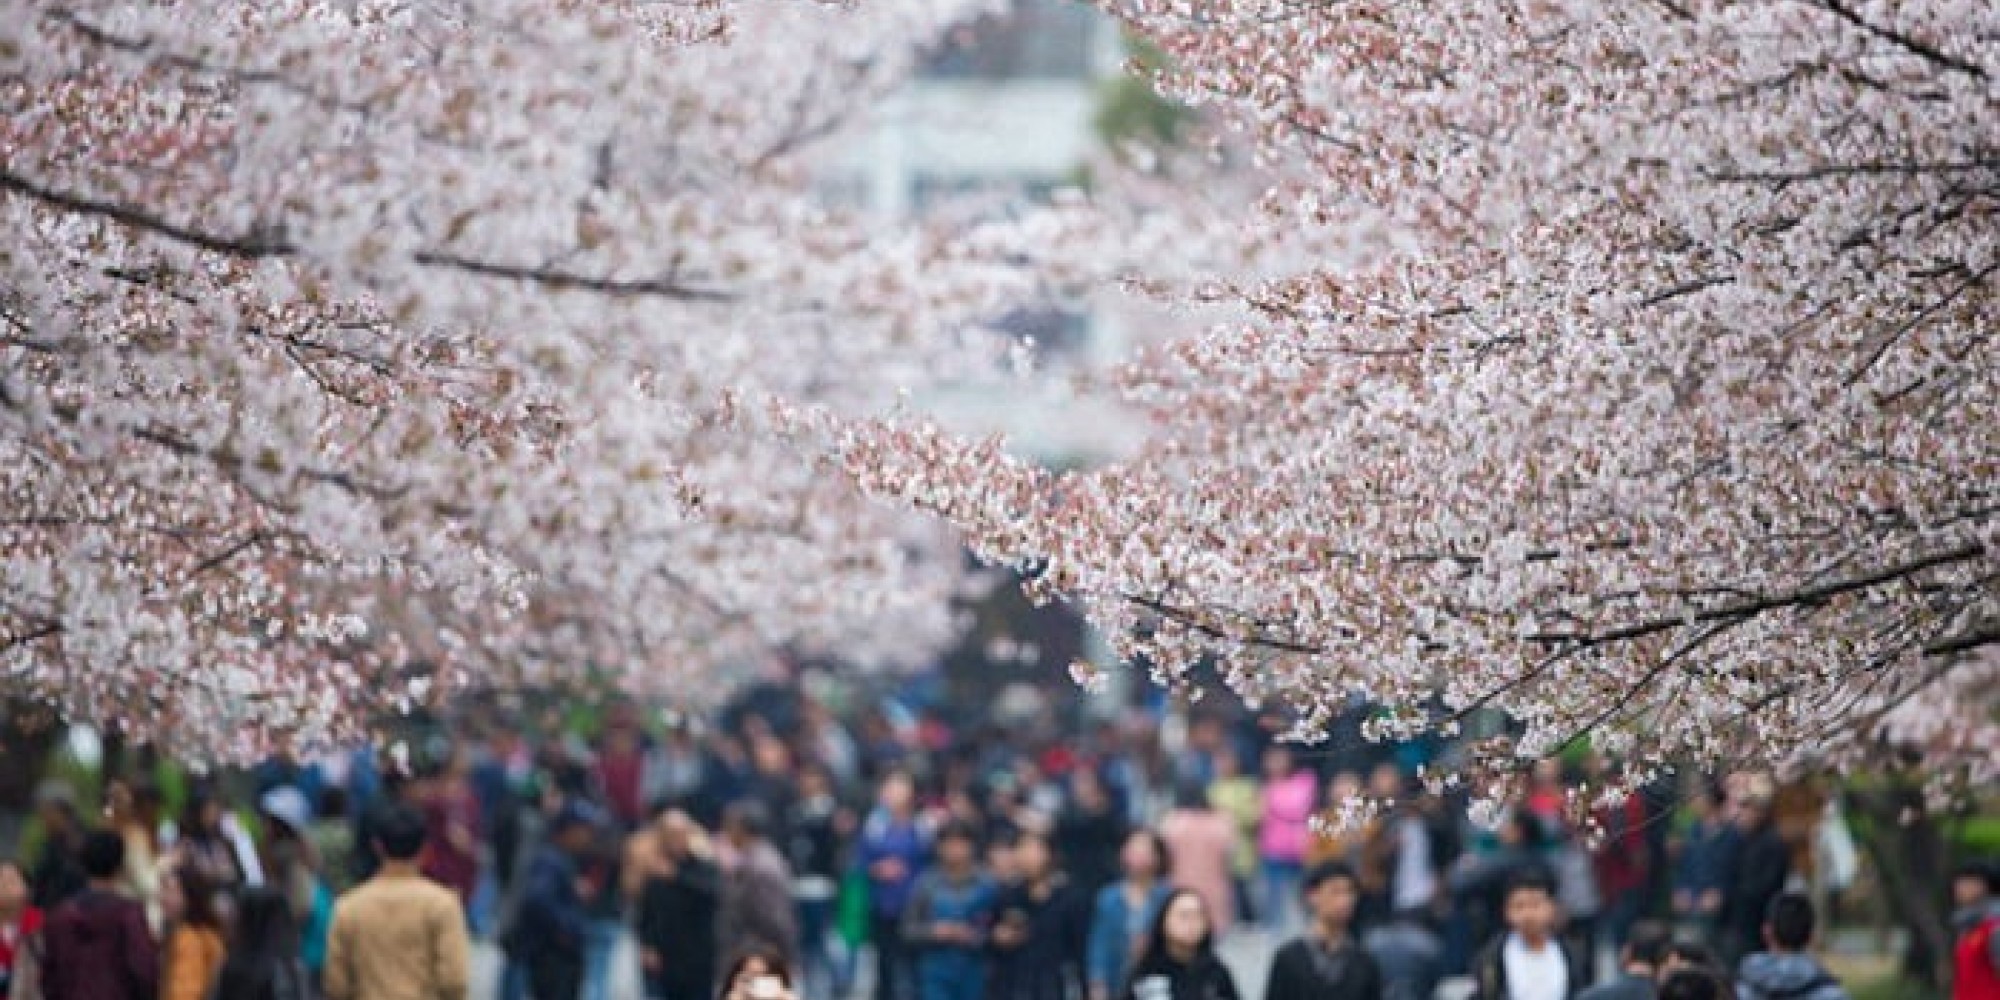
{"points": [[1908, 851]]}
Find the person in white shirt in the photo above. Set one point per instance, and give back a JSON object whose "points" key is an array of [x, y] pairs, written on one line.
{"points": [[1528, 962]]}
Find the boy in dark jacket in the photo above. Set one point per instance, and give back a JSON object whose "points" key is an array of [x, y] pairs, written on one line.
{"points": [[97, 946], [1529, 961], [1326, 963], [1784, 971]]}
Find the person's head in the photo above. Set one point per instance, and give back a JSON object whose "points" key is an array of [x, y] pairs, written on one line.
{"points": [[1342, 788], [574, 829], [1227, 764], [1975, 883], [399, 833], [1788, 923], [1034, 857], [103, 855], [1144, 856], [55, 805], [814, 782], [898, 794], [1277, 762], [746, 822], [263, 926], [1191, 795], [957, 846], [1694, 984], [1686, 955], [1183, 927], [1086, 789], [1646, 947], [755, 962], [187, 898], [1531, 905], [202, 815], [13, 886], [1521, 830], [1753, 812], [1331, 892], [1385, 782]]}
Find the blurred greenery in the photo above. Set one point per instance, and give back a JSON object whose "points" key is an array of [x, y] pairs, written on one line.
{"points": [[1130, 110], [1892, 987]]}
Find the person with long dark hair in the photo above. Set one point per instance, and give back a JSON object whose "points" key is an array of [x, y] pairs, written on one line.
{"points": [[195, 948], [204, 845], [264, 961], [1179, 962], [758, 973]]}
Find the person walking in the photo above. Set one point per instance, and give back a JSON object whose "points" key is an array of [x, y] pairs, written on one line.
{"points": [[96, 946], [1283, 836], [891, 853], [1123, 912], [399, 935], [756, 906], [20, 935], [1758, 868], [1179, 962], [264, 961], [1238, 796], [815, 832], [1202, 842], [1975, 891], [1529, 961], [1039, 929], [195, 947], [678, 893], [1785, 970], [58, 873], [552, 927], [1326, 963], [950, 914]]}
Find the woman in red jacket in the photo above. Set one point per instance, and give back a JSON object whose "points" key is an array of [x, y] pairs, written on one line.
{"points": [[20, 924]]}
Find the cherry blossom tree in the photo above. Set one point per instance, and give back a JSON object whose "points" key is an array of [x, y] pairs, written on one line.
{"points": [[1625, 367], [344, 337]]}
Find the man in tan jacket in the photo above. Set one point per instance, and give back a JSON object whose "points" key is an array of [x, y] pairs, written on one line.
{"points": [[398, 936]]}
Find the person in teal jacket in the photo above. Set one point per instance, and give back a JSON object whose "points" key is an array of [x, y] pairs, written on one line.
{"points": [[1125, 912], [950, 915]]}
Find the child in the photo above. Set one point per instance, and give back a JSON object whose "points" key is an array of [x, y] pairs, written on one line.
{"points": [[1528, 962], [1325, 963], [1977, 918]]}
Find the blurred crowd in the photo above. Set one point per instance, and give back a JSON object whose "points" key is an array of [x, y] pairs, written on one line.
{"points": [[784, 849]]}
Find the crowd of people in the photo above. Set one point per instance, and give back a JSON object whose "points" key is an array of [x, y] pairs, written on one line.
{"points": [[790, 851]]}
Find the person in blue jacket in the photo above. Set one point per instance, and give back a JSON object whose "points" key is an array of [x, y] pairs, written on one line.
{"points": [[1125, 913], [949, 918], [552, 928], [891, 853]]}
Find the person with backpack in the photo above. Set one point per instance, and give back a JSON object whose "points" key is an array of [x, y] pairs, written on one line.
{"points": [[1784, 971], [96, 946]]}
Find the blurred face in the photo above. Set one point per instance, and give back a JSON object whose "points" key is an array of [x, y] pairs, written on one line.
{"points": [[1969, 891], [956, 852], [1032, 858], [1333, 901], [897, 794], [753, 967], [676, 832], [173, 899], [1277, 762], [1345, 786], [13, 888], [1186, 922], [1139, 857], [1386, 782], [1531, 913], [1226, 764]]}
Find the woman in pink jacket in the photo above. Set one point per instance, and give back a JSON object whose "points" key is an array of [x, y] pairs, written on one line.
{"points": [[1201, 841], [1290, 796]]}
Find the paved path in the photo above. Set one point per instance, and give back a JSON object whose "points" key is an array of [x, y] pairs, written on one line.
{"points": [[1247, 953]]}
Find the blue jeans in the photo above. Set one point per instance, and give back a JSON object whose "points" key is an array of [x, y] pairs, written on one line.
{"points": [[1282, 906], [823, 975], [513, 981], [598, 947]]}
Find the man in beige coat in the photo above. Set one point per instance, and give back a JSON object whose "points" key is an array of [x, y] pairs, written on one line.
{"points": [[398, 936]]}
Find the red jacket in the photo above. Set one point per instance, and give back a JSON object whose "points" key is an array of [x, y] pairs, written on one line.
{"points": [[1977, 978]]}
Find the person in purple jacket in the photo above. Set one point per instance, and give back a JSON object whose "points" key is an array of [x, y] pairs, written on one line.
{"points": [[892, 851]]}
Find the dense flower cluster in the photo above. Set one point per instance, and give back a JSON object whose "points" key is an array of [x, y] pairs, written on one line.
{"points": [[348, 348], [1633, 371]]}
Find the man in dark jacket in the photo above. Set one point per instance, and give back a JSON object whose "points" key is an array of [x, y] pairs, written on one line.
{"points": [[1528, 962], [58, 871], [756, 906], [678, 898], [1326, 963], [1785, 971], [1639, 965], [1757, 871], [552, 927], [96, 946]]}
